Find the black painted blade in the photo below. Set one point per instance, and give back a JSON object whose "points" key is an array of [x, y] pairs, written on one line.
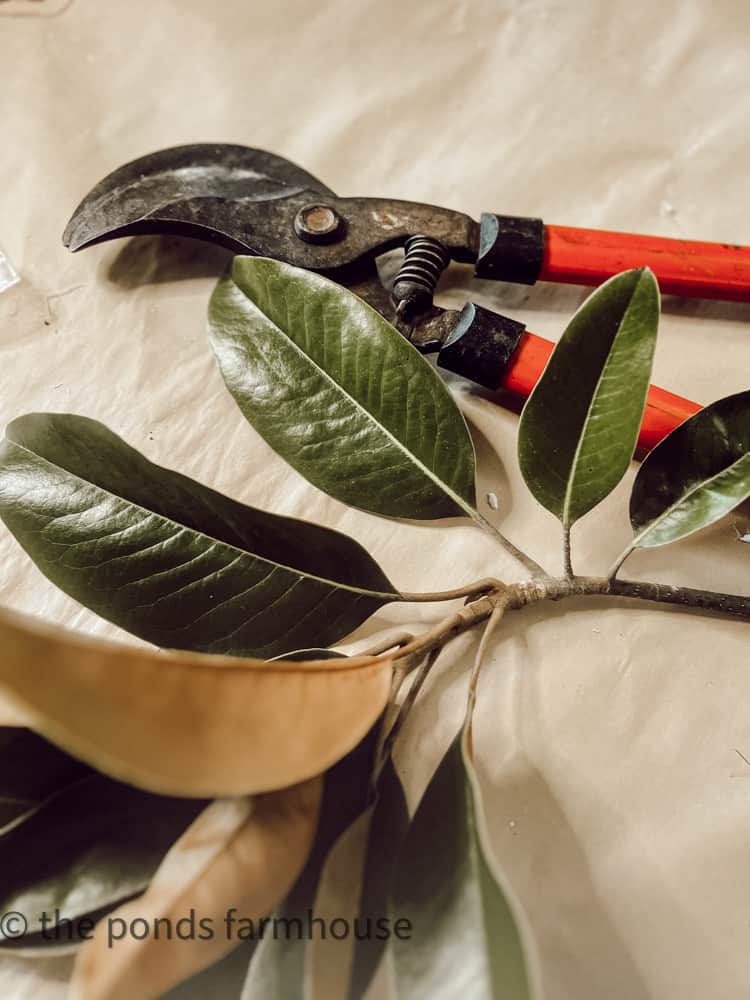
{"points": [[197, 190]]}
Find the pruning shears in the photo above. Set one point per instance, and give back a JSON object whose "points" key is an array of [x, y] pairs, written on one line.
{"points": [[254, 202]]}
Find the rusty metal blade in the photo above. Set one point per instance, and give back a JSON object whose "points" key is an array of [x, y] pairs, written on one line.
{"points": [[195, 190]]}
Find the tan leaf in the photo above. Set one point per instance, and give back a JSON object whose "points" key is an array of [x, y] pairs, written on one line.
{"points": [[11, 714], [187, 723], [240, 855]]}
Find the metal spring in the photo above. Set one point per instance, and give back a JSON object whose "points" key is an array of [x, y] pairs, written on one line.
{"points": [[424, 261]]}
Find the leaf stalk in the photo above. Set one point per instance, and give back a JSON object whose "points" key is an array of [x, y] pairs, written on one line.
{"points": [[536, 571], [476, 589], [406, 706], [494, 620], [615, 567], [567, 563]]}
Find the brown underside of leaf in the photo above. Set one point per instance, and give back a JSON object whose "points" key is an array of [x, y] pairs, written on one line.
{"points": [[11, 714], [239, 853], [189, 724]]}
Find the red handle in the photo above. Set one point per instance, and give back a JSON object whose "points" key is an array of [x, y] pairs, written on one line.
{"points": [[683, 267], [664, 410]]}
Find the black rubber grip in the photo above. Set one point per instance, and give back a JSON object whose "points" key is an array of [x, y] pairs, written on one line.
{"points": [[481, 345], [511, 248]]}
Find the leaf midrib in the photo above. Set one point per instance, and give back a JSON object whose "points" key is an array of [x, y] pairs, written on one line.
{"points": [[686, 496], [475, 851], [470, 511], [35, 807], [574, 464], [482, 859], [215, 541]]}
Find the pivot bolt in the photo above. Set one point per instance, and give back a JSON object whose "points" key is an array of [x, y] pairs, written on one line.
{"points": [[318, 224]]}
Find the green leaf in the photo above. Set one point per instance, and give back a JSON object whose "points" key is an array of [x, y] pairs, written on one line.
{"points": [[695, 475], [339, 393], [93, 845], [580, 426], [464, 938], [277, 968], [224, 979], [169, 559], [388, 827], [31, 771]]}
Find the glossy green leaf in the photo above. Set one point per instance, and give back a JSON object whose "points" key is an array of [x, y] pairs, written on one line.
{"points": [[224, 979], [464, 936], [93, 845], [32, 770], [580, 426], [277, 969], [695, 475], [388, 827], [169, 559], [339, 393]]}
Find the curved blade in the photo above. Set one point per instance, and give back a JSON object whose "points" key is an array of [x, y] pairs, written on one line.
{"points": [[191, 190]]}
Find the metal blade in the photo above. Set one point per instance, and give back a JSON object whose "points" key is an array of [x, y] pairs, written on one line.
{"points": [[191, 190]]}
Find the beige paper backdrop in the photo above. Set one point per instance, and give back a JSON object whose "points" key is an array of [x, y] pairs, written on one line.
{"points": [[609, 736]]}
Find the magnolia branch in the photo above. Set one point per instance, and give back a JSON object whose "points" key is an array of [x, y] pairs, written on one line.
{"points": [[489, 600], [517, 595]]}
